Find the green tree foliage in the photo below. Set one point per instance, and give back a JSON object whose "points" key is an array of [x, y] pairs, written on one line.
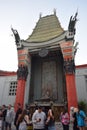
{"points": [[83, 105]]}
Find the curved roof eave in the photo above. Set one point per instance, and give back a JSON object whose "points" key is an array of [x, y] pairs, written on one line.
{"points": [[52, 42]]}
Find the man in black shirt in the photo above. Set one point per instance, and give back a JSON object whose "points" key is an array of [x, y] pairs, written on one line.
{"points": [[4, 112], [19, 111]]}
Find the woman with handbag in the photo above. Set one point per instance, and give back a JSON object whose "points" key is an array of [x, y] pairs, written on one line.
{"points": [[23, 120]]}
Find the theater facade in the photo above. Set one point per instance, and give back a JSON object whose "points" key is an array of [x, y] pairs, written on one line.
{"points": [[46, 65]]}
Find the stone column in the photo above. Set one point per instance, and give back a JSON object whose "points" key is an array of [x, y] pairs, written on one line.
{"points": [[69, 70], [22, 73]]}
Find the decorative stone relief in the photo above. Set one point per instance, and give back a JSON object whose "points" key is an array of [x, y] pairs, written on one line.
{"points": [[69, 66], [49, 83], [22, 72]]}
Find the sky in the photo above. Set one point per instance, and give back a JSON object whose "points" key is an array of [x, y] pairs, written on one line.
{"points": [[23, 16]]}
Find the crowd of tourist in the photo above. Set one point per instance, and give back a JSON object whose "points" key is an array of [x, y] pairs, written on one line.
{"points": [[40, 119], [22, 119]]}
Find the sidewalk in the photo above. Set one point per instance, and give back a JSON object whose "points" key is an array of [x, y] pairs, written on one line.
{"points": [[59, 126]]}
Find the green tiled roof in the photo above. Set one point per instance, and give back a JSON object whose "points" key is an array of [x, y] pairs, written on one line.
{"points": [[47, 28]]}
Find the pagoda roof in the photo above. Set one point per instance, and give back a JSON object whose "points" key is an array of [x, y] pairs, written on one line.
{"points": [[46, 28]]}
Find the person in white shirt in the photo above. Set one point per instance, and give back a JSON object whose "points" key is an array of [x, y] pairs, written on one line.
{"points": [[9, 117], [38, 119]]}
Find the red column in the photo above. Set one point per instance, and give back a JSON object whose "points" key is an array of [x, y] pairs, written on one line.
{"points": [[22, 72], [67, 49], [71, 91], [20, 93]]}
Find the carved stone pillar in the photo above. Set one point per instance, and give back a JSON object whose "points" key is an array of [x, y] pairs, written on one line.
{"points": [[67, 49], [22, 73]]}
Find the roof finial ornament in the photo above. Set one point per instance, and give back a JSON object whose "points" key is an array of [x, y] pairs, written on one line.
{"points": [[40, 15], [72, 23], [54, 11], [16, 35]]}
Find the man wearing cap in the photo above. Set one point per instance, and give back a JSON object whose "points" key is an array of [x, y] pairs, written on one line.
{"points": [[38, 119]]}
